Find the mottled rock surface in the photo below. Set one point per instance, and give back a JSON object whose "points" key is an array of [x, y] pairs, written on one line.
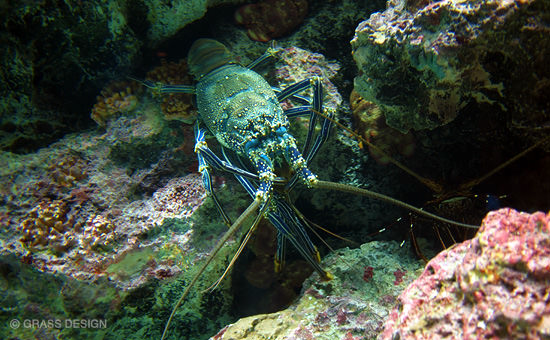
{"points": [[423, 62], [496, 285], [353, 305], [56, 56]]}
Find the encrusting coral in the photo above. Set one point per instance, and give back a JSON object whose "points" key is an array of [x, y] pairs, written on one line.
{"points": [[175, 106], [53, 227], [98, 232], [49, 226], [123, 96], [67, 169], [117, 97]]}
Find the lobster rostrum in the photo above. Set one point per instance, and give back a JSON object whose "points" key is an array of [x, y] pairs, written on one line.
{"points": [[243, 112]]}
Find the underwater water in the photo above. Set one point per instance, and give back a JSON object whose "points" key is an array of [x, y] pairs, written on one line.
{"points": [[127, 149]]}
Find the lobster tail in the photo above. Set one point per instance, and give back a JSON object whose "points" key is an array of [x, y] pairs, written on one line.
{"points": [[206, 55]]}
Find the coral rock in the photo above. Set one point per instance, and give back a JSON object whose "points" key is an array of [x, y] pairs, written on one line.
{"points": [[117, 97], [493, 286], [346, 307], [51, 63], [175, 106], [180, 197], [68, 169], [422, 62], [371, 125], [166, 17], [49, 227], [270, 19]]}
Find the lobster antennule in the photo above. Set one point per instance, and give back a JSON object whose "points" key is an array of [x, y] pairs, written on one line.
{"points": [[206, 55]]}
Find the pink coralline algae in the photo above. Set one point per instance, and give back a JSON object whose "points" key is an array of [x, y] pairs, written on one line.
{"points": [[398, 276], [368, 273], [180, 197], [270, 19], [496, 285]]}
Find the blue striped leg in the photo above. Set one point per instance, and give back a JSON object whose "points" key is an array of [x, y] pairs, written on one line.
{"points": [[208, 159], [281, 251], [270, 52], [160, 88], [214, 161], [315, 107], [312, 109], [289, 227], [204, 170], [291, 92]]}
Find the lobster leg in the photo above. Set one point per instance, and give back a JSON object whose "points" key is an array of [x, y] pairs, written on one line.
{"points": [[204, 170], [316, 105], [312, 107], [270, 52], [289, 227], [212, 160], [160, 88], [293, 89]]}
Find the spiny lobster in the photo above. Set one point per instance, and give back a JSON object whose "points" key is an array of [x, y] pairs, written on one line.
{"points": [[243, 112]]}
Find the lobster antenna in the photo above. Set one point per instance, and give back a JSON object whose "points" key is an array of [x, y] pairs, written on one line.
{"points": [[434, 186], [381, 197], [427, 182], [310, 223], [239, 251], [252, 208], [505, 164]]}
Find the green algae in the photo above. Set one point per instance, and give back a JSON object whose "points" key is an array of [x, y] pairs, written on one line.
{"points": [[132, 263]]}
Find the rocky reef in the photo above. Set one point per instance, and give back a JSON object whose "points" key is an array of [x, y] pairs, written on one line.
{"points": [[422, 62], [52, 65], [122, 208], [271, 19], [58, 54], [495, 285], [353, 305], [90, 215], [102, 205]]}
